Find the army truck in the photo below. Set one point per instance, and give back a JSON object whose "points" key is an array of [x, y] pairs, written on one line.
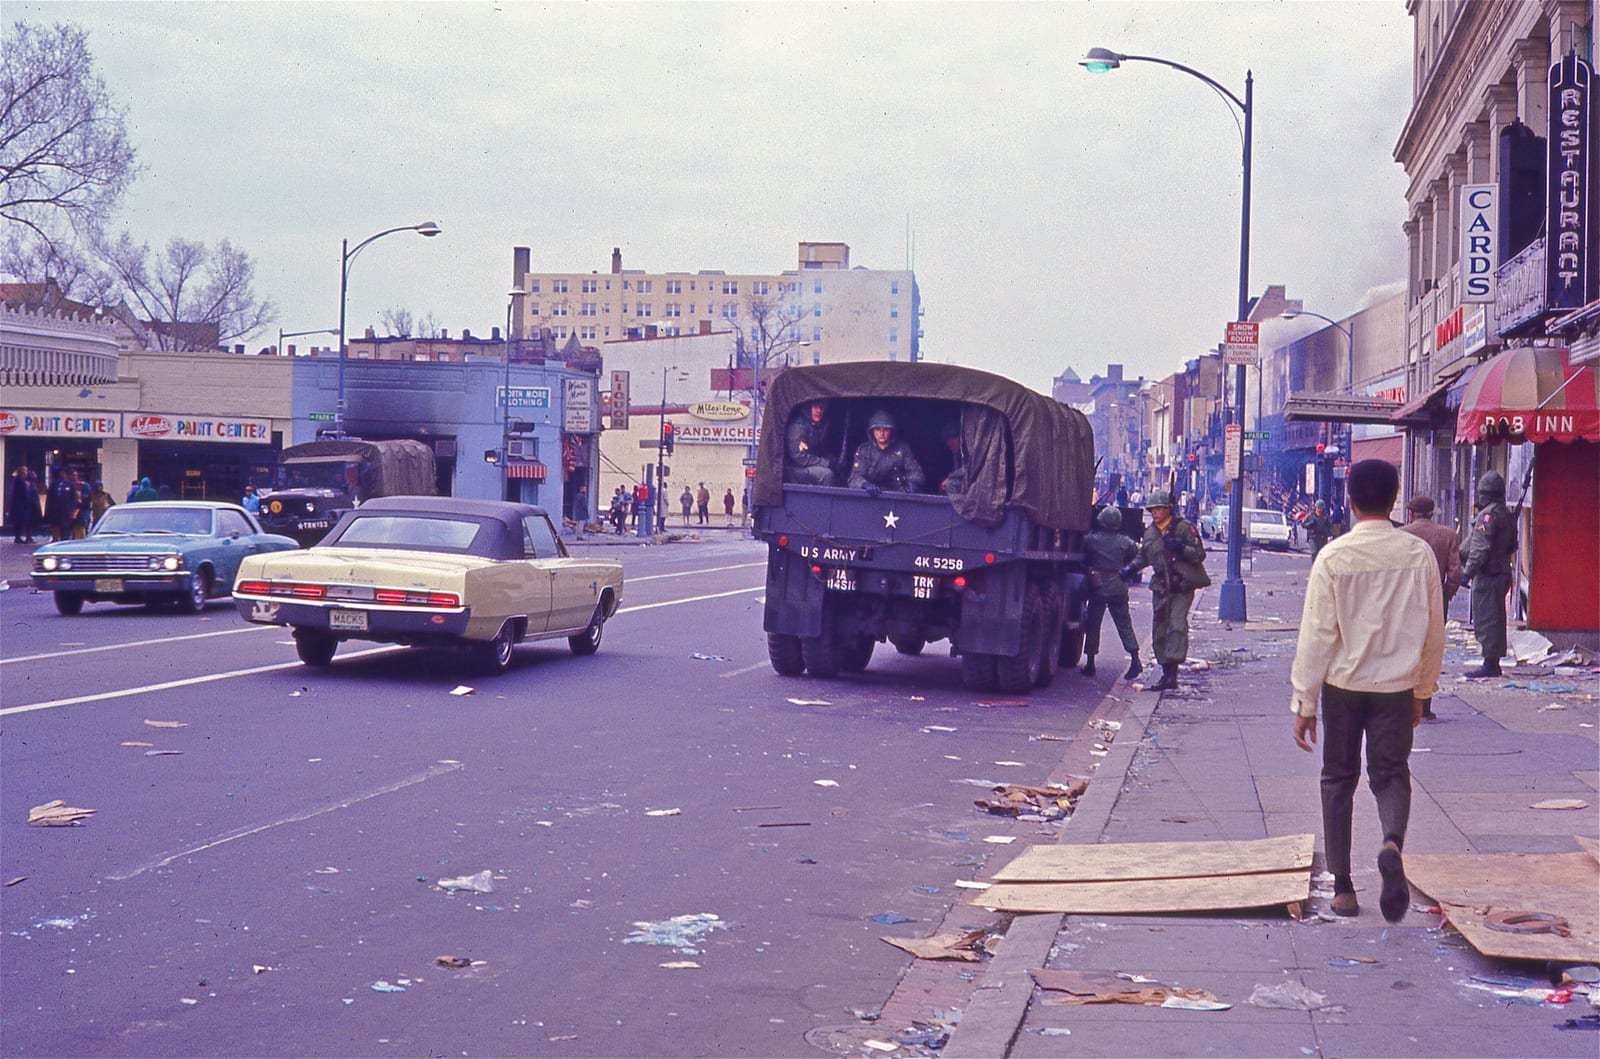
{"points": [[990, 560], [320, 480]]}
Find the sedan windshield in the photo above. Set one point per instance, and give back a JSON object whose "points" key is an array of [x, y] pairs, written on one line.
{"points": [[1266, 518], [422, 532], [138, 518]]}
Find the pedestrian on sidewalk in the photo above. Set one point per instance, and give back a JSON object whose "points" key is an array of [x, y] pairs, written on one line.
{"points": [[1488, 570], [727, 506], [686, 501], [24, 507], [1371, 644], [1176, 555], [1106, 550], [1446, 552], [702, 505]]}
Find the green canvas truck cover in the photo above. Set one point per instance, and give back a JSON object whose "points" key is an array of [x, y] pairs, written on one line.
{"points": [[392, 468], [1024, 451]]}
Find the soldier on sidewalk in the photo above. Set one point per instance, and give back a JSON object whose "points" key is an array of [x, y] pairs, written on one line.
{"points": [[1488, 571], [1318, 527], [1106, 550], [1176, 556], [1370, 647]]}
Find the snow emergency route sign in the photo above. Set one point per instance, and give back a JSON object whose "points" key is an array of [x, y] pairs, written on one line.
{"points": [[1241, 344]]}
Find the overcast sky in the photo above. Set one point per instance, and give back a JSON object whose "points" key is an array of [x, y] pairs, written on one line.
{"points": [[1060, 218]]}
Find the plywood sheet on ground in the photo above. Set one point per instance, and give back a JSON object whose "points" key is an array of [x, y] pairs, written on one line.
{"points": [[1471, 887], [1149, 895], [1157, 860]]}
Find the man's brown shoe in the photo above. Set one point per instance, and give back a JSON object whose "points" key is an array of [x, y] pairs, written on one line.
{"points": [[1345, 905]]}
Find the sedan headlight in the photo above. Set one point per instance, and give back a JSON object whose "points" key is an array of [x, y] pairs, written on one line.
{"points": [[171, 562], [48, 562]]}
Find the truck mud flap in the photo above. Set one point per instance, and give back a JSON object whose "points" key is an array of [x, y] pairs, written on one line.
{"points": [[991, 616], [794, 596]]}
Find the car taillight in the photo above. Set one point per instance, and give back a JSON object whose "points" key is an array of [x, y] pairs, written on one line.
{"points": [[401, 597], [390, 595], [253, 588], [308, 591]]}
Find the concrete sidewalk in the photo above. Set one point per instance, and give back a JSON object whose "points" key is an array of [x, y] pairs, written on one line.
{"points": [[1217, 760]]}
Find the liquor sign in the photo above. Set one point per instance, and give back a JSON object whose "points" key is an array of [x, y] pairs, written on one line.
{"points": [[50, 424], [1241, 344], [1567, 198], [1480, 242], [619, 400], [577, 408]]}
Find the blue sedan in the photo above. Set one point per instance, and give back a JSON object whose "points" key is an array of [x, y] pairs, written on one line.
{"points": [[184, 552]]}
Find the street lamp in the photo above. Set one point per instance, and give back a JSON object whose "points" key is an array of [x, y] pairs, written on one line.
{"points": [[282, 334], [346, 256], [1230, 598], [661, 447], [505, 401]]}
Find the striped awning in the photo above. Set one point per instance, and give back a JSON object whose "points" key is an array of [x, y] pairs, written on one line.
{"points": [[534, 472], [1531, 394]]}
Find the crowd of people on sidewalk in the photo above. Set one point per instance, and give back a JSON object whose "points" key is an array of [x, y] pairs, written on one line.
{"points": [[65, 509]]}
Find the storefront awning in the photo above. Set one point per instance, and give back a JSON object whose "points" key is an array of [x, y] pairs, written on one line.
{"points": [[1531, 394], [1340, 408], [534, 472], [1419, 412]]}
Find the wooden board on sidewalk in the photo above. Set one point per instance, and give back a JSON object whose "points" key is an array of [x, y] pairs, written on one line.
{"points": [[1160, 860], [1125, 896], [1471, 887]]}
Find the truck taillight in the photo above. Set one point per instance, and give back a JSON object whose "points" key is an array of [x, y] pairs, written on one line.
{"points": [[959, 583], [816, 569], [988, 557], [783, 542]]}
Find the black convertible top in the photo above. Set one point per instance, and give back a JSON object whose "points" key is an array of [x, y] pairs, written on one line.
{"points": [[1023, 450], [500, 521]]}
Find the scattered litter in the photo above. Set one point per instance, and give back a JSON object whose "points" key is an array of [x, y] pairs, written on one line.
{"points": [[1290, 995], [455, 963], [1553, 706], [330, 870], [1560, 803], [191, 1001], [481, 883], [1000, 840], [1072, 987], [1529, 647], [787, 823], [826, 783], [890, 919], [1044, 738], [679, 932], [261, 968], [1359, 959], [1539, 685], [1101, 724], [136, 743], [698, 657], [1010, 764], [919, 889], [13, 882], [809, 702], [754, 808], [918, 698], [990, 704], [167, 724], [662, 812], [1054, 1031], [1015, 799], [462, 689], [381, 986], [1187, 1003], [1589, 974], [680, 965], [163, 753], [1574, 656], [938, 728], [968, 884], [951, 946], [881, 1046], [1582, 1022], [57, 814], [1346, 961], [347, 1000], [1195, 665]]}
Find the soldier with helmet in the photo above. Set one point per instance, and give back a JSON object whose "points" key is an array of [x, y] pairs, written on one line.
{"points": [[1490, 548], [1176, 556], [883, 464], [803, 459], [1106, 550]]}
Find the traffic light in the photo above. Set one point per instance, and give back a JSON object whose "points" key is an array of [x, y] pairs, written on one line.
{"points": [[1321, 450], [667, 433], [1191, 459]]}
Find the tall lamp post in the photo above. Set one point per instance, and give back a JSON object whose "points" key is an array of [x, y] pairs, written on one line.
{"points": [[1231, 598], [505, 402], [346, 257]]}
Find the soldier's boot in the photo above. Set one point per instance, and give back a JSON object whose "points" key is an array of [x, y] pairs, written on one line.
{"points": [[1169, 678], [1088, 666], [1488, 669], [1134, 668]]}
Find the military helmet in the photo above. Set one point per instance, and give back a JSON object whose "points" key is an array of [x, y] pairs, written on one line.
{"points": [[1320, 505], [1159, 498], [1109, 519], [880, 418], [1491, 486]]}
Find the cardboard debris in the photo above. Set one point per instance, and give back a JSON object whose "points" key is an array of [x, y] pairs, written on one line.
{"points": [[57, 814], [1016, 799], [167, 724], [1469, 888], [942, 946], [1560, 803], [1099, 987], [1529, 647]]}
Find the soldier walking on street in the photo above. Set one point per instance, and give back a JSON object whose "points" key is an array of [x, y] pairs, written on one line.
{"points": [[1488, 571], [1106, 550], [882, 463], [1173, 550], [1319, 527]]}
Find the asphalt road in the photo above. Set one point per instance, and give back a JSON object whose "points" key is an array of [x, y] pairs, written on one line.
{"points": [[244, 895]]}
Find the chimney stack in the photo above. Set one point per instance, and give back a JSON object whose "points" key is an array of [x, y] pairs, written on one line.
{"points": [[616, 261]]}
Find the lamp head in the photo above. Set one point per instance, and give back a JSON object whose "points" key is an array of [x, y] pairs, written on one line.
{"points": [[1290, 314], [1100, 60], [429, 229]]}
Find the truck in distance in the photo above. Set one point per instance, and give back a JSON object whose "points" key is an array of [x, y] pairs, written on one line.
{"points": [[320, 480]]}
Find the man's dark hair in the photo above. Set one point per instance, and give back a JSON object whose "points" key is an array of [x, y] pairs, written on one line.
{"points": [[1373, 486]]}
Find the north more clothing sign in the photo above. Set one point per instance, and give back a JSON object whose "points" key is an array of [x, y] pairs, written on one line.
{"points": [[714, 434]]}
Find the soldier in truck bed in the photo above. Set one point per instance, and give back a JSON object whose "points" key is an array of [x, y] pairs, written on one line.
{"points": [[883, 464], [803, 459]]}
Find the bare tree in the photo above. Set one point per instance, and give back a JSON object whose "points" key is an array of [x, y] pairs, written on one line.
{"points": [[65, 160], [772, 340], [428, 325], [196, 298], [54, 271], [397, 322]]}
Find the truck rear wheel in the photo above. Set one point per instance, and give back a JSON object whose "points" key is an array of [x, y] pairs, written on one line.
{"points": [[1019, 672], [821, 653], [855, 656], [784, 654], [1050, 646], [977, 671]]}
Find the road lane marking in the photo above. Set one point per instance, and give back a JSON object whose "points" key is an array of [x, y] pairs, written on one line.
{"points": [[431, 772], [686, 573], [184, 683], [689, 599], [135, 643], [743, 671]]}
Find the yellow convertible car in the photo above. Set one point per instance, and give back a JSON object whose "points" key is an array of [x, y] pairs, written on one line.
{"points": [[433, 571]]}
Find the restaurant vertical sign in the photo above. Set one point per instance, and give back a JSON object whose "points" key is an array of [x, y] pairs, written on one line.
{"points": [[1568, 254]]}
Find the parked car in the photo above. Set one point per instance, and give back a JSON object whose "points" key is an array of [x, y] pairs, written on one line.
{"points": [[1268, 529], [162, 551], [1214, 524], [434, 571]]}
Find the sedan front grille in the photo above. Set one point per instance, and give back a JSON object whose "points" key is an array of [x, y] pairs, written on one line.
{"points": [[98, 564]]}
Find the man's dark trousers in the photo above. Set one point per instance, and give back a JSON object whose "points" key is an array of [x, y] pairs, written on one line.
{"points": [[1385, 720]]}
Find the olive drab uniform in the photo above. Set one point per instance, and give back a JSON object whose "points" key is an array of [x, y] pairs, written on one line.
{"points": [[1319, 528], [1490, 548], [893, 468], [1176, 559], [1106, 550], [803, 461]]}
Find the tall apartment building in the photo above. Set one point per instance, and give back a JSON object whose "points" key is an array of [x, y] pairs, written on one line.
{"points": [[820, 311]]}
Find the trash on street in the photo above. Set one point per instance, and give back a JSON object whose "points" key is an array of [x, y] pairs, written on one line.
{"points": [[1014, 799], [1290, 995], [949, 946], [57, 814], [167, 724], [481, 883], [679, 932], [455, 963]]}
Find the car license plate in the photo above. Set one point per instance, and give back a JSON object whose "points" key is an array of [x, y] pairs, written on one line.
{"points": [[108, 584], [841, 580], [355, 620]]}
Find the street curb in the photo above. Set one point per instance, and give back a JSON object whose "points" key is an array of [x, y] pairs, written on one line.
{"points": [[990, 1024]]}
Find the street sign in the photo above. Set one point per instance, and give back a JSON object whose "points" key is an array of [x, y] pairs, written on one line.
{"points": [[1233, 449], [1241, 344], [650, 443], [749, 461], [321, 417], [1257, 435]]}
